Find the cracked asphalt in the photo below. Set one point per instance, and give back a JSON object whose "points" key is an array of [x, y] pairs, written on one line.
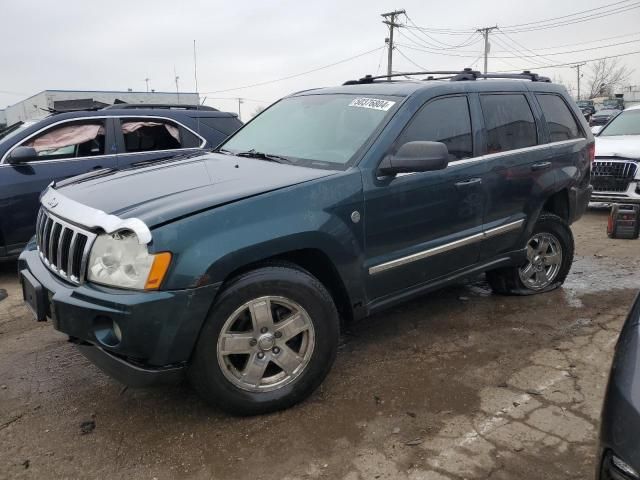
{"points": [[460, 384]]}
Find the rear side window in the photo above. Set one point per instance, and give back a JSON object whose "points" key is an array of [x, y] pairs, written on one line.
{"points": [[562, 125], [445, 120], [146, 135], [509, 122]]}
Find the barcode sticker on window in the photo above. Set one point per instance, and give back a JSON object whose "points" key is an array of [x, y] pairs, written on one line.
{"points": [[373, 103]]}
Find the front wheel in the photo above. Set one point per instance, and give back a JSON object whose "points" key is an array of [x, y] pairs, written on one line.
{"points": [[549, 257], [268, 343]]}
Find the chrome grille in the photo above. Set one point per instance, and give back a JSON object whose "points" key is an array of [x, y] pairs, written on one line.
{"points": [[612, 176], [64, 248]]}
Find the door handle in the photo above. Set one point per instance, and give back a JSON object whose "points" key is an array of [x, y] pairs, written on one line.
{"points": [[468, 183], [540, 166], [97, 167]]}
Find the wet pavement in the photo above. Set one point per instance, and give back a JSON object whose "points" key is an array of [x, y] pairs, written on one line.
{"points": [[460, 384]]}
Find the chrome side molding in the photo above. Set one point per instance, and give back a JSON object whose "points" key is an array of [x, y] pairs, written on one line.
{"points": [[446, 247]]}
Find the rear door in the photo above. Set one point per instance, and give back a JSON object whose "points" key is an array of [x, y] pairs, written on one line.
{"points": [[143, 139], [519, 167], [568, 144], [64, 150], [423, 226]]}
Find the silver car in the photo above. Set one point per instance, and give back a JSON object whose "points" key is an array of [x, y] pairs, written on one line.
{"points": [[616, 170]]}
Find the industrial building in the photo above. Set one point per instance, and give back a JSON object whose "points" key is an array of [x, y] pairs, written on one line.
{"points": [[43, 103]]}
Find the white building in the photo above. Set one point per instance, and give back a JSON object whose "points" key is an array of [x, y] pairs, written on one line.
{"points": [[41, 104]]}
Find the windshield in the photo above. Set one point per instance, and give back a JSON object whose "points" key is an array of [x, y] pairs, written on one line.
{"points": [[314, 130], [627, 123], [14, 130]]}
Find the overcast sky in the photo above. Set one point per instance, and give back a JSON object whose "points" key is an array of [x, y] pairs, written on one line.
{"points": [[115, 45]]}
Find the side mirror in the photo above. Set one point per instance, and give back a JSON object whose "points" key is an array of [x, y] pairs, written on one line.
{"points": [[21, 155], [416, 157], [596, 129]]}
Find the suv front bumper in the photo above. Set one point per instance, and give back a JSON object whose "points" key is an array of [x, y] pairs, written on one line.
{"points": [[139, 338], [631, 195]]}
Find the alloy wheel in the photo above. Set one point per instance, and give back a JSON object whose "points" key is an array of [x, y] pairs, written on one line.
{"points": [[265, 344], [544, 259]]}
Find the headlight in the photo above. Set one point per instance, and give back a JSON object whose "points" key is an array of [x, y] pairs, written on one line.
{"points": [[119, 260]]}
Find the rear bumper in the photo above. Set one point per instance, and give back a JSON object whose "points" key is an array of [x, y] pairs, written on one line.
{"points": [[579, 201], [158, 330]]}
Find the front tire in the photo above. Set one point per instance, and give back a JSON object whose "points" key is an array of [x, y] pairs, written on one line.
{"points": [[268, 343], [550, 252]]}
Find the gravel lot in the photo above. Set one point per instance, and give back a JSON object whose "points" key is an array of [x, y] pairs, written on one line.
{"points": [[459, 384]]}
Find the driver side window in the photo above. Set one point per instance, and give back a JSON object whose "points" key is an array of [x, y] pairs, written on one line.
{"points": [[445, 120], [70, 140]]}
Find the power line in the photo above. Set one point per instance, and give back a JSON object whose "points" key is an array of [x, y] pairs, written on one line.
{"points": [[410, 60], [515, 42], [575, 20], [465, 43], [267, 82], [603, 7], [585, 60], [527, 56], [569, 19]]}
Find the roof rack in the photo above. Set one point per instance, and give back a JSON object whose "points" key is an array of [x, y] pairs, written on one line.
{"points": [[131, 106], [454, 76]]}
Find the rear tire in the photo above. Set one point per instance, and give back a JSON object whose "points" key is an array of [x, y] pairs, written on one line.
{"points": [[268, 342], [550, 252]]}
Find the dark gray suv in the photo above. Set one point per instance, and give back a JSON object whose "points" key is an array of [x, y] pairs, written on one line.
{"points": [[238, 267]]}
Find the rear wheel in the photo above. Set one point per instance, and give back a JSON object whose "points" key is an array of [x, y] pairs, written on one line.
{"points": [[549, 257], [268, 343]]}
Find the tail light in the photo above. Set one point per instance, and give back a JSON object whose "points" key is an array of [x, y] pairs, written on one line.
{"points": [[592, 152]]}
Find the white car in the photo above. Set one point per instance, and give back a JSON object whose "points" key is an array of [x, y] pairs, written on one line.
{"points": [[616, 169]]}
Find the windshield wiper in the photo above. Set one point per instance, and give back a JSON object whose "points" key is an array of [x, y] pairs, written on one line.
{"points": [[263, 156]]}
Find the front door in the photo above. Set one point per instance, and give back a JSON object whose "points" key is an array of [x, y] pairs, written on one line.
{"points": [[64, 150], [423, 226]]}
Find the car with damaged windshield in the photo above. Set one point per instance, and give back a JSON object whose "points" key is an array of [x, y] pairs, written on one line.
{"points": [[239, 268], [616, 169], [73, 143]]}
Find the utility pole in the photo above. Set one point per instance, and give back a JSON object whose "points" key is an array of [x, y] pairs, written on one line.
{"points": [[147, 80], [577, 67], [240, 102], [177, 87], [390, 19], [485, 33]]}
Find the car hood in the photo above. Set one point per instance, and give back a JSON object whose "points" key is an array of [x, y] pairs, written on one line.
{"points": [[624, 146], [162, 192]]}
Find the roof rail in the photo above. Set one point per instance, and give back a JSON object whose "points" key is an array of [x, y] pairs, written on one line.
{"points": [[131, 106], [454, 76]]}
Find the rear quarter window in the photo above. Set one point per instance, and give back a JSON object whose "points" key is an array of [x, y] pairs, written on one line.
{"points": [[561, 123]]}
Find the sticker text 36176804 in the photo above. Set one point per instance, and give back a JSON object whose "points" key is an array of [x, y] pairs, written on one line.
{"points": [[372, 103]]}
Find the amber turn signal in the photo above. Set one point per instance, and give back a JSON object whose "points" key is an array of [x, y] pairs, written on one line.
{"points": [[159, 269]]}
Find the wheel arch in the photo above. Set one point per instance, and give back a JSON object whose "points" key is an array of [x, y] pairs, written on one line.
{"points": [[558, 204], [316, 262]]}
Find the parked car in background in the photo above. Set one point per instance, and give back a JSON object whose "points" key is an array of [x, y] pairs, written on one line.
{"points": [[616, 169], [238, 267], [620, 424], [587, 108], [601, 117], [68, 144]]}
